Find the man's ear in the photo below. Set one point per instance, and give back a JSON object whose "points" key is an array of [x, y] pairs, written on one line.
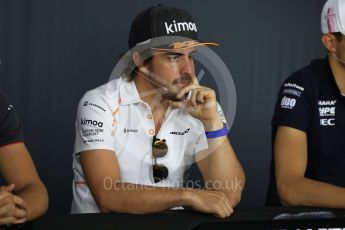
{"points": [[330, 42], [138, 61]]}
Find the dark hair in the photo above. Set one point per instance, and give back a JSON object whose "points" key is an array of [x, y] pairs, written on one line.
{"points": [[129, 72], [338, 35]]}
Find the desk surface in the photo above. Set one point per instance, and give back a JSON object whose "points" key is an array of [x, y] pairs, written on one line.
{"points": [[255, 218]]}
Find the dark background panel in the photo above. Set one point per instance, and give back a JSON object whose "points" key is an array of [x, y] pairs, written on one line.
{"points": [[53, 51]]}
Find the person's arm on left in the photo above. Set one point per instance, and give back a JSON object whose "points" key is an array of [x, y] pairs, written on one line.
{"points": [[17, 168], [219, 165]]}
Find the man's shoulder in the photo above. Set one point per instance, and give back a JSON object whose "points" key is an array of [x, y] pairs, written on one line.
{"points": [[107, 90], [304, 74], [306, 77], [106, 94]]}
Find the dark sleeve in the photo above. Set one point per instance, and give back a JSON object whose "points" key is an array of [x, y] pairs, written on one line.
{"points": [[294, 104], [10, 127]]}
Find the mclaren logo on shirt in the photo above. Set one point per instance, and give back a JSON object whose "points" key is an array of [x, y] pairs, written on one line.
{"points": [[180, 133], [91, 122], [327, 112]]}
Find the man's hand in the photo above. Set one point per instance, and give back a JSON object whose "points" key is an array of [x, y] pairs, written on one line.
{"points": [[12, 207], [213, 202], [202, 105]]}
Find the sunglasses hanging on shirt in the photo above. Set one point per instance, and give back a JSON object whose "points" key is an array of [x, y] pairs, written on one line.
{"points": [[159, 149]]}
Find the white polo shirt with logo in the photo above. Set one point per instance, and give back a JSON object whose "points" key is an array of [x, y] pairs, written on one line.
{"points": [[113, 117]]}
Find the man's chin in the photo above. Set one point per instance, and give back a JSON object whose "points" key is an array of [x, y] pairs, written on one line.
{"points": [[173, 91]]}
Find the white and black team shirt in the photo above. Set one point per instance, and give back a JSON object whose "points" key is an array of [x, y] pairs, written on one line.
{"points": [[113, 117], [309, 100]]}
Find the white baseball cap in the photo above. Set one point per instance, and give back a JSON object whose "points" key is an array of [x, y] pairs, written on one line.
{"points": [[333, 17]]}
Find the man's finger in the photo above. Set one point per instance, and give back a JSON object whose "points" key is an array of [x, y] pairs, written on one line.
{"points": [[18, 213], [227, 205], [185, 90], [195, 80], [6, 198], [20, 203], [5, 209], [20, 221], [7, 188], [200, 98], [7, 220], [193, 97], [177, 104]]}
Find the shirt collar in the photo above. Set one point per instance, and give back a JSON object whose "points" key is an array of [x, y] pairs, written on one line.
{"points": [[128, 93]]}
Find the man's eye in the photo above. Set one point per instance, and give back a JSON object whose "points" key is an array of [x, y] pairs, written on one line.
{"points": [[192, 56], [172, 57]]}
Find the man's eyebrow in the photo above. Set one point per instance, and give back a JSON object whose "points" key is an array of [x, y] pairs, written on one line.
{"points": [[178, 54], [173, 53]]}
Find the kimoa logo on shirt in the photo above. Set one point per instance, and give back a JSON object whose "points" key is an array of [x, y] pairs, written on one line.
{"points": [[91, 122], [179, 26]]}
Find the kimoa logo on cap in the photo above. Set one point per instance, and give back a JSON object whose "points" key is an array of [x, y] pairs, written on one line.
{"points": [[180, 26]]}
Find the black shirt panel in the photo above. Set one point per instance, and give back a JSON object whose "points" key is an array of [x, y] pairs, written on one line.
{"points": [[10, 126]]}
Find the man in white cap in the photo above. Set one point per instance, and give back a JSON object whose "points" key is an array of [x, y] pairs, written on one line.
{"points": [[309, 125], [136, 136]]}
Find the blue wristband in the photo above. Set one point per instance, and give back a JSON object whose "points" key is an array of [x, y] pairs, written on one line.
{"points": [[218, 133]]}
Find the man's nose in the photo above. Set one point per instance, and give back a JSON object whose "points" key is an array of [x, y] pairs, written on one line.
{"points": [[186, 65]]}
